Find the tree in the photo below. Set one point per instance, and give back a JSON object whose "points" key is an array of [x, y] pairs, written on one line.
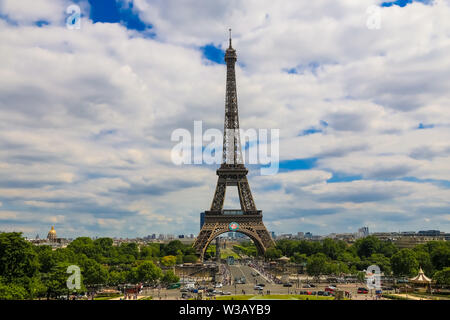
{"points": [[442, 277], [330, 248], [148, 272], [383, 262], [129, 250], [272, 253], [387, 248], [83, 245], [424, 260], [299, 258], [190, 258], [440, 255], [35, 287], [56, 281], [173, 248], [170, 277], [169, 261], [46, 258], [316, 264], [367, 246], [12, 292], [117, 277], [404, 263], [94, 273], [17, 257]]}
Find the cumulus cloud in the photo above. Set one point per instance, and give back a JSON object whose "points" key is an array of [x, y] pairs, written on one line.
{"points": [[86, 115]]}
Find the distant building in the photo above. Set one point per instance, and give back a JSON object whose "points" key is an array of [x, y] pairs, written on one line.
{"points": [[51, 236], [300, 235], [410, 239], [181, 236], [363, 232], [272, 233], [202, 219], [308, 235]]}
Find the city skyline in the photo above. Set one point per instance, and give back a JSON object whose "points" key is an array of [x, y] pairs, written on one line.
{"points": [[87, 114]]}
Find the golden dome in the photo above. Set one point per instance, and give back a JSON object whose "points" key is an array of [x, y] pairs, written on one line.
{"points": [[51, 234]]}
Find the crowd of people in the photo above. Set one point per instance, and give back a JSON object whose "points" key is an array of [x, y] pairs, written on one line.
{"points": [[260, 268]]}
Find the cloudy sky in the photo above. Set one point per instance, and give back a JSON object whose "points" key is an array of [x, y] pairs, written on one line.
{"points": [[360, 91]]}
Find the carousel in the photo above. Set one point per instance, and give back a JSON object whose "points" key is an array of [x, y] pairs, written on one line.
{"points": [[421, 281]]}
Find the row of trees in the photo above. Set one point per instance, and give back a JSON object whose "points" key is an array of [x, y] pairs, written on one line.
{"points": [[28, 271], [337, 257]]}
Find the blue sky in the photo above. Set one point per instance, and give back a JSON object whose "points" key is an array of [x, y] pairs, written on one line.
{"points": [[363, 114]]}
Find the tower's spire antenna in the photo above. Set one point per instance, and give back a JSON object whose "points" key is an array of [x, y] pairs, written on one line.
{"points": [[230, 36]]}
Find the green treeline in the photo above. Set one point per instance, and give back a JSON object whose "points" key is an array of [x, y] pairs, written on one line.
{"points": [[335, 257], [28, 271]]}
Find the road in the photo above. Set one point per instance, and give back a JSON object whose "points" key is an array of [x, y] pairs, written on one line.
{"points": [[246, 271]]}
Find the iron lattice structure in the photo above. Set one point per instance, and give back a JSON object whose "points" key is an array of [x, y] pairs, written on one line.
{"points": [[232, 172]]}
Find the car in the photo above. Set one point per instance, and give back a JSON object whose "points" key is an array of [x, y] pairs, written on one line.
{"points": [[312, 285], [330, 288], [258, 288], [184, 290], [378, 292], [186, 296], [210, 294], [226, 293], [218, 285], [363, 291], [306, 286], [321, 293], [287, 284], [261, 284]]}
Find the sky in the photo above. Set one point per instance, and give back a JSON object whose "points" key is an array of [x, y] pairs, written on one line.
{"points": [[86, 115]]}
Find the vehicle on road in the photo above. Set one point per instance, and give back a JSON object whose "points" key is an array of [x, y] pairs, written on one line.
{"points": [[186, 296], [258, 288], [218, 285], [330, 288], [261, 284], [287, 284], [363, 291]]}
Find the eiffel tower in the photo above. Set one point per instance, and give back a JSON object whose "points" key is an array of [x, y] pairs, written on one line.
{"points": [[232, 172]]}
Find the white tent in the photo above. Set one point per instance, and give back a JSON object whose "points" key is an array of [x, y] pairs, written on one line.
{"points": [[421, 278]]}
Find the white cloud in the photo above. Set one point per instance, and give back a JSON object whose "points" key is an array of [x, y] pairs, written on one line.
{"points": [[86, 115]]}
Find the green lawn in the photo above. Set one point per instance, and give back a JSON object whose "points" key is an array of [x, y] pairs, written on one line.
{"points": [[225, 253], [274, 297], [108, 297]]}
